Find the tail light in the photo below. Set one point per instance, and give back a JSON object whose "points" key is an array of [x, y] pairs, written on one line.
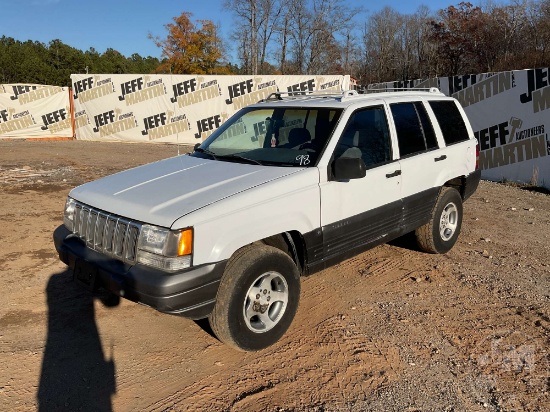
{"points": [[477, 156]]}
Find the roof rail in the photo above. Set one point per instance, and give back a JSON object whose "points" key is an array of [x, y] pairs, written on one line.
{"points": [[403, 89], [311, 95]]}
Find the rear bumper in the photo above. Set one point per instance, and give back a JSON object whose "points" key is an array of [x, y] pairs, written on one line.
{"points": [[471, 183], [190, 293]]}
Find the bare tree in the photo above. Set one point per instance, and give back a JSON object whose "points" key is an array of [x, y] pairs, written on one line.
{"points": [[318, 33], [261, 17], [300, 29], [425, 53], [380, 39], [326, 36], [283, 35]]}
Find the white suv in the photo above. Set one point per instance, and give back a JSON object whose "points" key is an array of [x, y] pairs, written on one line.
{"points": [[285, 188]]}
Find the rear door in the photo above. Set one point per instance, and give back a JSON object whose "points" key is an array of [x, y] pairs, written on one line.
{"points": [[421, 160], [457, 135]]}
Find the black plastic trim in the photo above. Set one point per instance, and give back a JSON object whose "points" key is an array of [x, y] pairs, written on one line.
{"points": [[471, 183], [417, 209], [190, 293], [346, 238]]}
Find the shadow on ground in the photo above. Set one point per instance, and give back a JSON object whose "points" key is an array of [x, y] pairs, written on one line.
{"points": [[407, 241], [75, 374], [205, 326]]}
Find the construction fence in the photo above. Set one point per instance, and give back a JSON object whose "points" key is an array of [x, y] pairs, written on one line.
{"points": [[509, 111]]}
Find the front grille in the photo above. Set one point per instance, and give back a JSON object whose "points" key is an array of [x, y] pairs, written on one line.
{"points": [[109, 234]]}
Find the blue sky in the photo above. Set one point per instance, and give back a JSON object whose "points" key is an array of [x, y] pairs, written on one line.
{"points": [[124, 24]]}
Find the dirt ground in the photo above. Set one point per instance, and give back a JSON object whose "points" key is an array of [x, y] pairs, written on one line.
{"points": [[393, 329]]}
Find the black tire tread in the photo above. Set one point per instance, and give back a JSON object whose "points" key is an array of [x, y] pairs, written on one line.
{"points": [[240, 260], [219, 327], [424, 234]]}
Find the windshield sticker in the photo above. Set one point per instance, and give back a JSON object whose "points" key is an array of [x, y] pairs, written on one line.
{"points": [[303, 159]]}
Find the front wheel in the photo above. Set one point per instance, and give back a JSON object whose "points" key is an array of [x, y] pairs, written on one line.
{"points": [[257, 298], [441, 233]]}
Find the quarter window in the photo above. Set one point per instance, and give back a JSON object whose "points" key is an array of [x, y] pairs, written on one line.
{"points": [[450, 120]]}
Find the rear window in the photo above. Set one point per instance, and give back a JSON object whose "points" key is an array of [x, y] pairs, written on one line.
{"points": [[450, 120]]}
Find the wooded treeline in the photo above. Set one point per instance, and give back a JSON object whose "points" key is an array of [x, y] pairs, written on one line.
{"points": [[33, 62], [314, 37]]}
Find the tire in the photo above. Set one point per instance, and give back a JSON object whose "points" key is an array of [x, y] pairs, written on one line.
{"points": [[257, 298], [441, 233], [108, 299]]}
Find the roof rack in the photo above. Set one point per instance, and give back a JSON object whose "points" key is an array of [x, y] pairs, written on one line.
{"points": [[403, 89], [342, 95]]}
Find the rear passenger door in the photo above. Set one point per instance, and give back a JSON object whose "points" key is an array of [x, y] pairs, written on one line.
{"points": [[458, 137], [421, 161]]}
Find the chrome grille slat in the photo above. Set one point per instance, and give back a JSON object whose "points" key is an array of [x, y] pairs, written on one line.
{"points": [[132, 240], [120, 233], [111, 235], [90, 227], [98, 233]]}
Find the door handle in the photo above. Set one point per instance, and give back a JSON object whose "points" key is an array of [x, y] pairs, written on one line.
{"points": [[438, 159], [396, 173]]}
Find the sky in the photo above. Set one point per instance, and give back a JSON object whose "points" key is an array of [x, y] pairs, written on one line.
{"points": [[124, 25]]}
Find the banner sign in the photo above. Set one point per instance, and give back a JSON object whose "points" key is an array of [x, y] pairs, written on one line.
{"points": [[34, 111], [174, 108], [510, 115]]}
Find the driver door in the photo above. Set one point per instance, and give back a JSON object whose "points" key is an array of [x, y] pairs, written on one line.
{"points": [[357, 213]]}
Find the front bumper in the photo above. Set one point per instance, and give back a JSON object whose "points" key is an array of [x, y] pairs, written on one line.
{"points": [[190, 293]]}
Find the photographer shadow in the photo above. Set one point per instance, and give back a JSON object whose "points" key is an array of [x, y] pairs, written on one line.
{"points": [[75, 374]]}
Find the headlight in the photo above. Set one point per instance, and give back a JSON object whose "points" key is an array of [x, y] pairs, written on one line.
{"points": [[68, 215], [169, 250]]}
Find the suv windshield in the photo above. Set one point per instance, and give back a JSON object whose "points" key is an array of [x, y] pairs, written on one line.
{"points": [[272, 136]]}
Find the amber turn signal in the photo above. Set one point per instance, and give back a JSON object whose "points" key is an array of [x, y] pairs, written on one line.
{"points": [[185, 245]]}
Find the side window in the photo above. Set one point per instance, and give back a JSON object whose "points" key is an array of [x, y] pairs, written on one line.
{"points": [[415, 132], [366, 136], [450, 120], [427, 128]]}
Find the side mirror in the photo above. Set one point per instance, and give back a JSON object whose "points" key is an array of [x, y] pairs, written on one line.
{"points": [[346, 168], [196, 146]]}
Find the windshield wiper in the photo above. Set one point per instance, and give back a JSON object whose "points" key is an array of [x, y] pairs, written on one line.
{"points": [[229, 156], [206, 151], [238, 156]]}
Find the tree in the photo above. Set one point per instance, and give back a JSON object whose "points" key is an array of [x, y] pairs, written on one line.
{"points": [[8, 56], [63, 60], [282, 32], [537, 31], [424, 52], [314, 36], [380, 39], [262, 20], [460, 36], [189, 49]]}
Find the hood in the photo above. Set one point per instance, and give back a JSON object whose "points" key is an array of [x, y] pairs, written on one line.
{"points": [[161, 192]]}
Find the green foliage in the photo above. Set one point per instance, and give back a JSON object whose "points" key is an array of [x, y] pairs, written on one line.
{"points": [[37, 63]]}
